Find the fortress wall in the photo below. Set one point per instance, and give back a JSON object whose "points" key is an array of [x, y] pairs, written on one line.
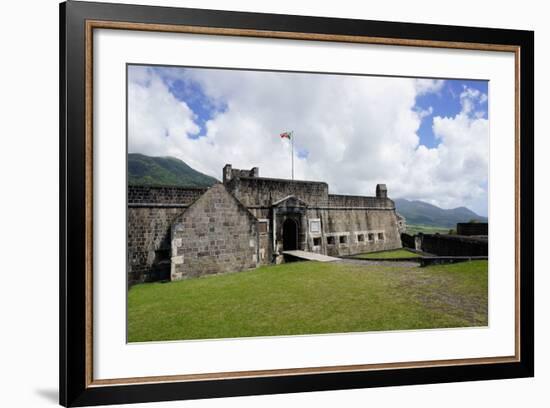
{"points": [[149, 243], [151, 211], [216, 234], [472, 228], [252, 191], [337, 200], [453, 245], [351, 224], [163, 195]]}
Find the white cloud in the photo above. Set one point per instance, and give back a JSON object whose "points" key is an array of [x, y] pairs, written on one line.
{"points": [[424, 86], [358, 131], [455, 173], [158, 123], [423, 113], [470, 97]]}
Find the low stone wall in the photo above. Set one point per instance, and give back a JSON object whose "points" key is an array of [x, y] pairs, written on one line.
{"points": [[453, 245], [472, 228]]}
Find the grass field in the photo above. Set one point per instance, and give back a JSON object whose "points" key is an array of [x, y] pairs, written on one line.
{"points": [[310, 297], [393, 254], [413, 229]]}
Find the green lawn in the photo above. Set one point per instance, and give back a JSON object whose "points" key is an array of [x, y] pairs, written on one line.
{"points": [[393, 254], [308, 298]]}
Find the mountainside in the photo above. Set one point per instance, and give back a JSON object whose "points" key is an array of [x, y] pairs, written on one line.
{"points": [[164, 171], [420, 212]]}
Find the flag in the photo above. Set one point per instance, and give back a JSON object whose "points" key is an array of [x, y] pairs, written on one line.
{"points": [[286, 135]]}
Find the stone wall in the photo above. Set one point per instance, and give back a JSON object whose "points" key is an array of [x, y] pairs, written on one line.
{"points": [[349, 201], [453, 245], [163, 195], [151, 211], [472, 228], [354, 231], [262, 192], [149, 243], [216, 234]]}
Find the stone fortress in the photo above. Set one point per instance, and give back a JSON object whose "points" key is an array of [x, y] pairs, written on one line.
{"points": [[247, 221]]}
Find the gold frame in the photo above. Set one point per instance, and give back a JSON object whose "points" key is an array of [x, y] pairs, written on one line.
{"points": [[99, 24]]}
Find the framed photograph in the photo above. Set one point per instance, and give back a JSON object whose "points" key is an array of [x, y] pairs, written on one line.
{"points": [[257, 204]]}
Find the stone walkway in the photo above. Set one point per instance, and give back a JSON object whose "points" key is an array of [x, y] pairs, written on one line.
{"points": [[311, 256]]}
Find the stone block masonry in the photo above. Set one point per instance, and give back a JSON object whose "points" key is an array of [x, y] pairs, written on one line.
{"points": [[348, 201], [149, 243], [356, 231], [262, 192], [470, 243], [152, 196], [454, 245], [216, 234], [150, 213]]}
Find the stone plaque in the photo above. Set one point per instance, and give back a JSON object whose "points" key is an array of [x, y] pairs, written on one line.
{"points": [[315, 226]]}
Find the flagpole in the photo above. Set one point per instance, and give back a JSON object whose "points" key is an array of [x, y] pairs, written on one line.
{"points": [[292, 137]]}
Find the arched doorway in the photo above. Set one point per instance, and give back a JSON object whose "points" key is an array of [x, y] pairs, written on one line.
{"points": [[290, 234]]}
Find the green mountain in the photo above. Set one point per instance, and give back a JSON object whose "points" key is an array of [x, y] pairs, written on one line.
{"points": [[164, 171], [420, 212]]}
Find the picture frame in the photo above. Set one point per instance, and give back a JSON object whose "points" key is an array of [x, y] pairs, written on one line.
{"points": [[78, 20]]}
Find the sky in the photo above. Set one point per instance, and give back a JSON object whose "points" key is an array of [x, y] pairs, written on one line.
{"points": [[426, 139]]}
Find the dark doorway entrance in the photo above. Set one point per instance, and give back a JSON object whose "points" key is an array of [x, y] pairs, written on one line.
{"points": [[290, 235]]}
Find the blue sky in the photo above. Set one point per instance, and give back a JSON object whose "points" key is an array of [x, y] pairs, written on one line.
{"points": [[427, 139], [446, 103], [193, 95]]}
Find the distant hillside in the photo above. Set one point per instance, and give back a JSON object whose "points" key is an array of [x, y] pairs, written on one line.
{"points": [[420, 212], [164, 171]]}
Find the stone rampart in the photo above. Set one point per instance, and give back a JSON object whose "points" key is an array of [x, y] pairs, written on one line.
{"points": [[262, 192], [216, 234], [151, 211], [453, 245], [163, 195], [338, 200], [352, 231]]}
